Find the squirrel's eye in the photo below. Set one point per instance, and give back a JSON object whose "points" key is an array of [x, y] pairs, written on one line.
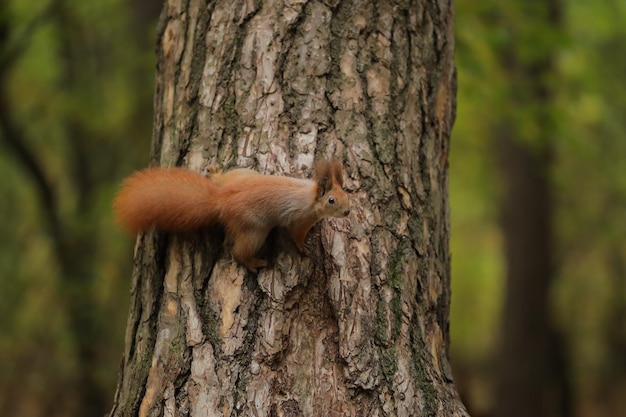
{"points": [[331, 200]]}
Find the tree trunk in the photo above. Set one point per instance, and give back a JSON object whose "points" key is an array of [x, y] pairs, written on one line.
{"points": [[532, 374], [359, 328]]}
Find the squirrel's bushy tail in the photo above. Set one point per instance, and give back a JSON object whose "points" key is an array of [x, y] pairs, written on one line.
{"points": [[168, 199]]}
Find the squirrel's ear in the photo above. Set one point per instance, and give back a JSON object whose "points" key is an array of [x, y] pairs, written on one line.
{"points": [[322, 176], [336, 172]]}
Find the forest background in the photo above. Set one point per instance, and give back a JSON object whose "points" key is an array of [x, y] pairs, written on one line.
{"points": [[76, 86]]}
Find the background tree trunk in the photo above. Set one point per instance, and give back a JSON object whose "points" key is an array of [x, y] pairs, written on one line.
{"points": [[532, 374], [361, 327]]}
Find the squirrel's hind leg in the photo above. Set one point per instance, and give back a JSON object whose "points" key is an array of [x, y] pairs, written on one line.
{"points": [[246, 245]]}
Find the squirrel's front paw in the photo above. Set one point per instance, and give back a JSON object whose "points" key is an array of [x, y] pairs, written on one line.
{"points": [[255, 263], [304, 251]]}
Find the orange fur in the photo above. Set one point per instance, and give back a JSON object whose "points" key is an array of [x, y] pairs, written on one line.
{"points": [[245, 202], [220, 178], [171, 199]]}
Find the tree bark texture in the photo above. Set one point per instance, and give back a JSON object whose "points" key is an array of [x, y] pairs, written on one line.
{"points": [[359, 328]]}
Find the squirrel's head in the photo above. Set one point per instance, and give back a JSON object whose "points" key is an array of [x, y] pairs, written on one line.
{"points": [[332, 199]]}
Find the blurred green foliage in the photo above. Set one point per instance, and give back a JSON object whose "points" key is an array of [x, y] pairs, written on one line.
{"points": [[589, 186], [76, 83]]}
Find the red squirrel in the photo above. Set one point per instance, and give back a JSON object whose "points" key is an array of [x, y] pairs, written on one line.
{"points": [[246, 203]]}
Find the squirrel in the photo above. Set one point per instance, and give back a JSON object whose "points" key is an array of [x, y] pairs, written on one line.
{"points": [[246, 203]]}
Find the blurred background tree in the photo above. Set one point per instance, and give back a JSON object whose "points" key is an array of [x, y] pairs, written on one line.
{"points": [[76, 82], [540, 82], [76, 85]]}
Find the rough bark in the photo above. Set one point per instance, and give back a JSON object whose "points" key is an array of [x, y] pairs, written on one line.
{"points": [[359, 328]]}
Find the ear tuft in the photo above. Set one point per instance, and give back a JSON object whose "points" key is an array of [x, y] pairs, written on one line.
{"points": [[336, 172], [328, 174], [322, 176]]}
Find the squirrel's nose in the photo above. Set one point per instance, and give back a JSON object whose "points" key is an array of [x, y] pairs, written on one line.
{"points": [[346, 212]]}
